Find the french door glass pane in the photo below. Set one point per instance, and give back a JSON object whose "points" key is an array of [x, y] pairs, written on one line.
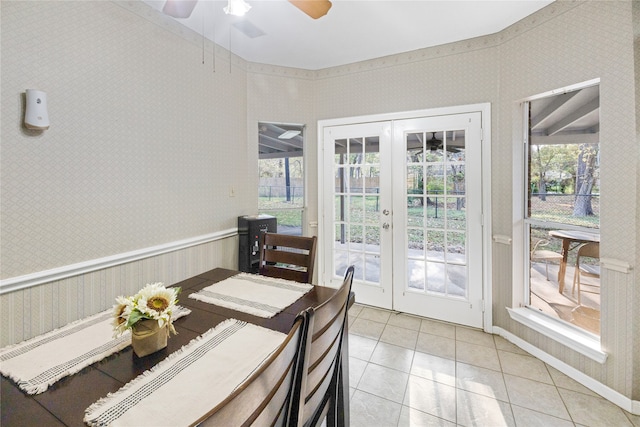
{"points": [[414, 180], [356, 181], [356, 208], [416, 274], [372, 270], [456, 280], [415, 239], [355, 151], [435, 245], [456, 247], [436, 277], [434, 178], [456, 214], [357, 260], [372, 239], [415, 211], [341, 236]]}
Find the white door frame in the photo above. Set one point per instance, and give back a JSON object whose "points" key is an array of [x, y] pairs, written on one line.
{"points": [[485, 110]]}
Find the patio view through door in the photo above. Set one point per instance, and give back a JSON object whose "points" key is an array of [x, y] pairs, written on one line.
{"points": [[402, 202]]}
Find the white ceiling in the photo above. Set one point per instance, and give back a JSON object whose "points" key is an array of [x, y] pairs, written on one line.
{"points": [[353, 30]]}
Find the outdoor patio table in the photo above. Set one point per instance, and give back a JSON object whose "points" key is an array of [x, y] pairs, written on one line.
{"points": [[570, 237]]}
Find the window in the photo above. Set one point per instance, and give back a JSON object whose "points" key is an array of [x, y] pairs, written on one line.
{"points": [[281, 175], [562, 206]]}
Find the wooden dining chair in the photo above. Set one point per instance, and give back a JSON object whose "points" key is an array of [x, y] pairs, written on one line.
{"points": [[288, 257], [586, 250], [271, 395], [320, 387]]}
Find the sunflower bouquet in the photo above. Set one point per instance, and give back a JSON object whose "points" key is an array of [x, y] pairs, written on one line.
{"points": [[153, 302]]}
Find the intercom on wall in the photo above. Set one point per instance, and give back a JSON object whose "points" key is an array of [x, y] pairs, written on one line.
{"points": [[36, 115]]}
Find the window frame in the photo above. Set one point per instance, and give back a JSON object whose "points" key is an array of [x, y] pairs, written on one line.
{"points": [[304, 208], [520, 311]]}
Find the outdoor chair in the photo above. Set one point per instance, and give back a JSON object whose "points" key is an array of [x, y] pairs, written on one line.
{"points": [[544, 255], [586, 250]]}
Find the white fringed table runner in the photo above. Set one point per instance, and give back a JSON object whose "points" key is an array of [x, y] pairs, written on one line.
{"points": [[39, 362], [253, 294], [191, 381]]}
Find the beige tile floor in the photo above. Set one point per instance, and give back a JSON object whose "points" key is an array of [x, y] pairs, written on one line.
{"points": [[411, 371]]}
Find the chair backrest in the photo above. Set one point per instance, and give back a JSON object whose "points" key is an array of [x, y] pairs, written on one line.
{"points": [[589, 250], [288, 257], [539, 242], [267, 397], [323, 352]]}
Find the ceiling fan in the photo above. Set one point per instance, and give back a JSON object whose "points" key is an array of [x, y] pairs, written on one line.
{"points": [[434, 144], [314, 8], [183, 8]]}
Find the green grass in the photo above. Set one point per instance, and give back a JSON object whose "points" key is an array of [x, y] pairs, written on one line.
{"points": [[287, 213], [364, 225], [559, 209]]}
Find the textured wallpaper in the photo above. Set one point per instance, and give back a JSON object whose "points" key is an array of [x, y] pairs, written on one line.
{"points": [[597, 43], [144, 142]]}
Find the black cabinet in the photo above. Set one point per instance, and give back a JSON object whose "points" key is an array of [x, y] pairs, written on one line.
{"points": [[250, 230]]}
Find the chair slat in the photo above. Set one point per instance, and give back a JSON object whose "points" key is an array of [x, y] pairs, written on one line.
{"points": [[323, 340], [322, 366], [285, 273], [298, 259]]}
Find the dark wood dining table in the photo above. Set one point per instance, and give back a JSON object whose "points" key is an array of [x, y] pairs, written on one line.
{"points": [[64, 403]]}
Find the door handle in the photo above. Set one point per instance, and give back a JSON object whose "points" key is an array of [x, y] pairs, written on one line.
{"points": [[385, 212], [385, 225]]}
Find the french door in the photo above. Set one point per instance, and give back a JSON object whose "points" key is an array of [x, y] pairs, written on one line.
{"points": [[437, 208], [358, 180], [402, 202]]}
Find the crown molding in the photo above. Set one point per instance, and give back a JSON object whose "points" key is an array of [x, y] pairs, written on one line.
{"points": [[532, 21]]}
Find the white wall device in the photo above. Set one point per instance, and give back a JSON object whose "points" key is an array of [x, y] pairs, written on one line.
{"points": [[36, 115]]}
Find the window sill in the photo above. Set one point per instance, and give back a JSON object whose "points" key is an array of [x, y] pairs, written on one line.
{"points": [[575, 338]]}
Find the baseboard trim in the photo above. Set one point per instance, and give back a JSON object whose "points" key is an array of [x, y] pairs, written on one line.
{"points": [[632, 406], [34, 279]]}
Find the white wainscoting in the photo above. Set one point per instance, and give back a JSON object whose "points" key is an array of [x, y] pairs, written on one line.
{"points": [[40, 302]]}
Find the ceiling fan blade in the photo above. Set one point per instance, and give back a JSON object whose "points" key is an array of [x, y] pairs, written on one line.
{"points": [[314, 8], [179, 8]]}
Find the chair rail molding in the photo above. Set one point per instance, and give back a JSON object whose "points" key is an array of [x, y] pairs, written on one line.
{"points": [[34, 279], [501, 238], [615, 265]]}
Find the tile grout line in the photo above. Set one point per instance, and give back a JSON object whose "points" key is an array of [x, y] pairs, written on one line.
{"points": [[456, 337]]}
